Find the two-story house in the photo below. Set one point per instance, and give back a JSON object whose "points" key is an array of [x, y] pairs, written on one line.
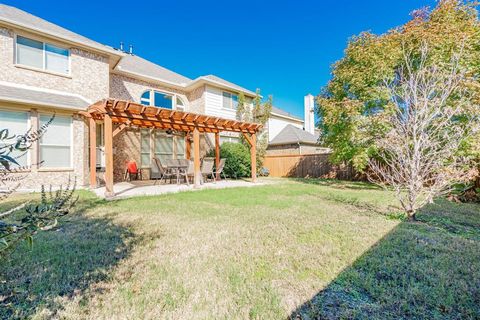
{"points": [[46, 69]]}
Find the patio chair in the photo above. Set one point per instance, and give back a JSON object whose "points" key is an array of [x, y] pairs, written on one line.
{"points": [[131, 171], [219, 171], [162, 172], [189, 172], [207, 168]]}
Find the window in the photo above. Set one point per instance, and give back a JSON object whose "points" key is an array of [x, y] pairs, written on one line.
{"points": [[164, 146], [230, 101], [17, 125], [42, 55], [55, 143], [180, 105], [157, 99], [145, 148]]}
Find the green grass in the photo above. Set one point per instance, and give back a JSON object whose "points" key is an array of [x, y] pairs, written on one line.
{"points": [[313, 248]]}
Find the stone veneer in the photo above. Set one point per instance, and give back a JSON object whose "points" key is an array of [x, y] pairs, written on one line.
{"points": [[89, 78], [127, 143], [89, 71]]}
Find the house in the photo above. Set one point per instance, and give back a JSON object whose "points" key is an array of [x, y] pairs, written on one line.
{"points": [[47, 70], [290, 135]]}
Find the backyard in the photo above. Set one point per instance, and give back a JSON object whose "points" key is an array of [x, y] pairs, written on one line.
{"points": [[315, 248]]}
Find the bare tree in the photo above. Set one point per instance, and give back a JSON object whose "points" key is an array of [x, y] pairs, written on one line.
{"points": [[429, 118]]}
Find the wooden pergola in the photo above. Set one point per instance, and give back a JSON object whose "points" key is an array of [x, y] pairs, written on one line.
{"points": [[126, 113]]}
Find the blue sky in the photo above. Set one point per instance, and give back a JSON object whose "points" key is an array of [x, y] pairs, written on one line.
{"points": [[285, 48]]}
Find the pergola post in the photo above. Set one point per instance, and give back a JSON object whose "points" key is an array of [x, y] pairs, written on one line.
{"points": [[93, 152], [197, 176], [217, 155], [253, 156], [188, 147], [108, 157]]}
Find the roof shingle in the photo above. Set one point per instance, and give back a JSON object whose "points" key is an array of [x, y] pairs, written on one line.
{"points": [[291, 134]]}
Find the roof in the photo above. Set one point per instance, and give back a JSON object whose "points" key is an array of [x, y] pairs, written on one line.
{"points": [[130, 64], [291, 135], [12, 15], [130, 113], [284, 113], [136, 65], [36, 96], [217, 80]]}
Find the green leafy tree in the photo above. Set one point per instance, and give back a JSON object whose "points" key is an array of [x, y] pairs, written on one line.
{"points": [[351, 105], [258, 113]]}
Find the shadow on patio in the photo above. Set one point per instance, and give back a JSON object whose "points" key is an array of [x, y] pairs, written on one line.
{"points": [[62, 263], [424, 270]]}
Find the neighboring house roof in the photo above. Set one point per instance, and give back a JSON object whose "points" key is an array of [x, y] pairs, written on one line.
{"points": [[292, 135], [283, 113], [43, 97], [12, 15], [136, 65]]}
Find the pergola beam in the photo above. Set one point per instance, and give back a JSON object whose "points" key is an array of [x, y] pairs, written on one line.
{"points": [[127, 113]]}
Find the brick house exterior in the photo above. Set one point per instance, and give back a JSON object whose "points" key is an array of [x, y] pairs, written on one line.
{"points": [[46, 69]]}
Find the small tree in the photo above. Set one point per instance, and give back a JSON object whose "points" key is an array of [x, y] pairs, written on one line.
{"points": [[429, 119], [258, 113], [25, 220]]}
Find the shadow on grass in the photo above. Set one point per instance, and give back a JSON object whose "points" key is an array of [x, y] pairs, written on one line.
{"points": [[62, 263], [424, 270], [338, 184]]}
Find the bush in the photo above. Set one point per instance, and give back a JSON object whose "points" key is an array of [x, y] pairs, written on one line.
{"points": [[237, 163]]}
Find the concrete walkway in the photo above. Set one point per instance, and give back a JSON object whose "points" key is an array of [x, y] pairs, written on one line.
{"points": [[146, 188]]}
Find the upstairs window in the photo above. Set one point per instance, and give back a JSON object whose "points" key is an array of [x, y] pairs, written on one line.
{"points": [[180, 105], [230, 100], [161, 100], [43, 56]]}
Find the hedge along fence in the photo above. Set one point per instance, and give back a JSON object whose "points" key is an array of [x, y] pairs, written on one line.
{"points": [[307, 166]]}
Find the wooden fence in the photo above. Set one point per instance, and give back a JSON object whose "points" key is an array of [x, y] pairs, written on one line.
{"points": [[306, 166]]}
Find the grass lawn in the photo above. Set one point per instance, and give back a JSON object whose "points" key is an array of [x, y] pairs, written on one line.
{"points": [[308, 249]]}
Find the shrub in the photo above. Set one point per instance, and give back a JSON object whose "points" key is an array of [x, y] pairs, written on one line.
{"points": [[237, 163]]}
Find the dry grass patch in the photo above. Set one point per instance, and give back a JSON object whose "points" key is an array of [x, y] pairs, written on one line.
{"points": [[240, 253]]}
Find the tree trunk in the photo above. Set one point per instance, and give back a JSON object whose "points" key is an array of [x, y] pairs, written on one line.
{"points": [[412, 216]]}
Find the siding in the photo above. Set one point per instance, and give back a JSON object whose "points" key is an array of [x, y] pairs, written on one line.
{"points": [[276, 124], [214, 104]]}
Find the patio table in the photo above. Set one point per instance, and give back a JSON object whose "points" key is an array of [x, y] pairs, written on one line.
{"points": [[176, 166]]}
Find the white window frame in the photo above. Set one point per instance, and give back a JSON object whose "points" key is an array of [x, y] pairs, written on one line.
{"points": [[29, 124], [40, 144], [43, 69], [143, 165], [152, 144], [174, 98], [230, 107]]}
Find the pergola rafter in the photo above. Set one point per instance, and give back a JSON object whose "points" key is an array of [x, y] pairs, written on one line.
{"points": [[127, 113]]}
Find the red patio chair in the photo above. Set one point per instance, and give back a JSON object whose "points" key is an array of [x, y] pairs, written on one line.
{"points": [[132, 172]]}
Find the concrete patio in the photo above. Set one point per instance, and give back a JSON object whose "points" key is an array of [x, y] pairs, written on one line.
{"points": [[147, 188]]}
